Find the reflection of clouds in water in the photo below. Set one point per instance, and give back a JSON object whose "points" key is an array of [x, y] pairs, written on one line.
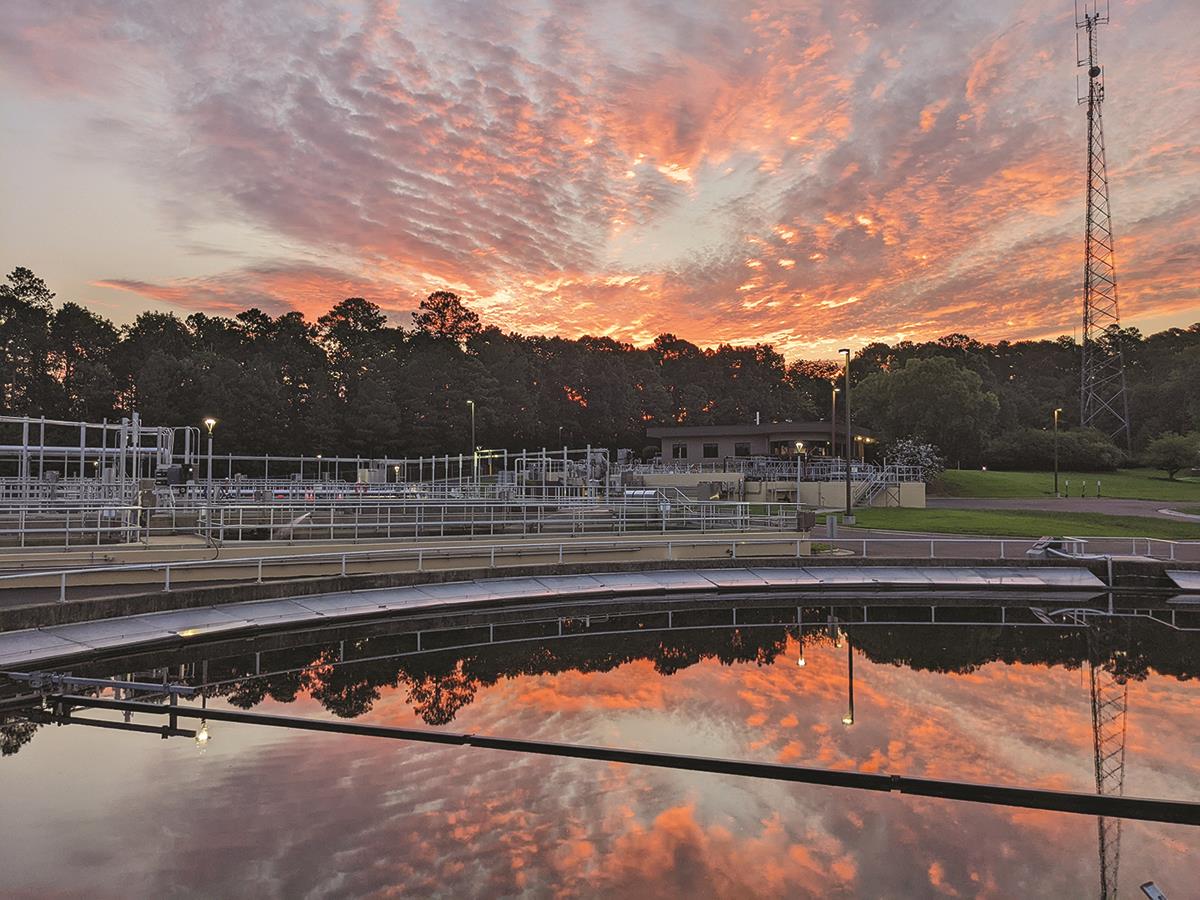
{"points": [[265, 813]]}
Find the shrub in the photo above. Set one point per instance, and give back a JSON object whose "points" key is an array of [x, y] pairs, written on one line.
{"points": [[910, 451], [1081, 449]]}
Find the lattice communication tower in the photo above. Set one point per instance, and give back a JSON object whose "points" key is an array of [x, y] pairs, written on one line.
{"points": [[1103, 402]]}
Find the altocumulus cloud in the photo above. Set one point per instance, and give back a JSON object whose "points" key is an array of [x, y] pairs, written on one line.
{"points": [[805, 173]]}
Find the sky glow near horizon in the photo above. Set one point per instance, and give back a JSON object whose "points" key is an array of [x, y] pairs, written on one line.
{"points": [[806, 174]]}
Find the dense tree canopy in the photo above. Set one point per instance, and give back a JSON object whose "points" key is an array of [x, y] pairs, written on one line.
{"points": [[353, 383]]}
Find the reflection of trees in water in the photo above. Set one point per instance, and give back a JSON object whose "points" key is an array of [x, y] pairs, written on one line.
{"points": [[15, 733], [438, 684], [1128, 648]]}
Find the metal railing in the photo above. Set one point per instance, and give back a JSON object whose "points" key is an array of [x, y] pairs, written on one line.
{"points": [[492, 555], [779, 469], [367, 516]]}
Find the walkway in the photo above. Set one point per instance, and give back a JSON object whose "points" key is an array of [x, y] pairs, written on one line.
{"points": [[36, 647], [1108, 506]]}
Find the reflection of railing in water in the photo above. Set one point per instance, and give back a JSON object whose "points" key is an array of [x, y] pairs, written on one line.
{"points": [[598, 620]]}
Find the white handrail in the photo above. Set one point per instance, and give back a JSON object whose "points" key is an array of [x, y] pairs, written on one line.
{"points": [[556, 549]]}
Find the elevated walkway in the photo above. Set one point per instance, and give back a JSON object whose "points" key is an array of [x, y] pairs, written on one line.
{"points": [[58, 644]]}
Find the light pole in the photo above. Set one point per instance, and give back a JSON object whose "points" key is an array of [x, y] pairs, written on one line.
{"points": [[210, 423], [849, 444], [474, 454], [833, 423], [1056, 412]]}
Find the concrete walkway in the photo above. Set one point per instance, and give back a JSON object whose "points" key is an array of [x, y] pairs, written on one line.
{"points": [[1108, 506]]}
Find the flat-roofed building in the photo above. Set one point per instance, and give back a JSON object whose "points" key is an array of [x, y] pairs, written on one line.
{"points": [[698, 443]]}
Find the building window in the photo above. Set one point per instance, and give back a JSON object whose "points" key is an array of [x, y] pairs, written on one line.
{"points": [[741, 448], [679, 451], [710, 451]]}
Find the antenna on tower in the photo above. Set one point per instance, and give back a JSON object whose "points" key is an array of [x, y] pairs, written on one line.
{"points": [[1103, 401]]}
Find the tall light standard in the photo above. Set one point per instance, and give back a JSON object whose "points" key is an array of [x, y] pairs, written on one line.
{"points": [[474, 453], [833, 423], [210, 423], [1056, 412], [849, 443]]}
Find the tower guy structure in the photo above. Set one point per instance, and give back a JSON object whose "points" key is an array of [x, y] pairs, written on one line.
{"points": [[1103, 402]]}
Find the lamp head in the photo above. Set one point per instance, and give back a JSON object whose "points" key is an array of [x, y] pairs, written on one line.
{"points": [[210, 423]]}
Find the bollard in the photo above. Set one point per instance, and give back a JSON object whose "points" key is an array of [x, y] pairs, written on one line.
{"points": [[62, 589]]}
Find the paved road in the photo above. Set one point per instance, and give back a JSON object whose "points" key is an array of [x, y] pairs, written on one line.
{"points": [[1109, 506]]}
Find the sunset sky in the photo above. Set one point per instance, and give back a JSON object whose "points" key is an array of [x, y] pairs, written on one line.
{"points": [[812, 174]]}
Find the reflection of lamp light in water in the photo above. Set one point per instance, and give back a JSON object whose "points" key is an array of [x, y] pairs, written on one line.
{"points": [[202, 734], [848, 718], [801, 662]]}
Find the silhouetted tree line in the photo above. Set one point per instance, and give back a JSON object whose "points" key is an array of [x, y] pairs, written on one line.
{"points": [[354, 384]]}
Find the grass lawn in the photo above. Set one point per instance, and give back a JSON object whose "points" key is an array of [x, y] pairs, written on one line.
{"points": [[1127, 484], [1022, 523]]}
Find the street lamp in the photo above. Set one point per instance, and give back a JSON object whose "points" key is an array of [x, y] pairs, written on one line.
{"points": [[318, 467], [1056, 412], [474, 453], [833, 424], [849, 448], [210, 423]]}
